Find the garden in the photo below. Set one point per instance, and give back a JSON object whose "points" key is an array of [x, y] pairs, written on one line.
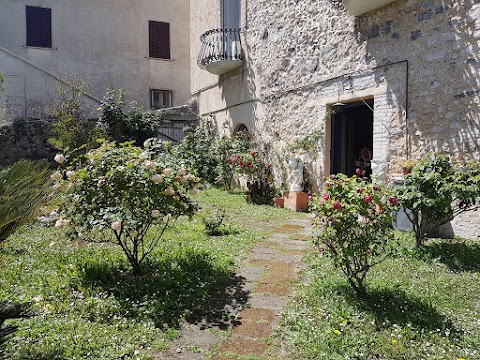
{"points": [[108, 253]]}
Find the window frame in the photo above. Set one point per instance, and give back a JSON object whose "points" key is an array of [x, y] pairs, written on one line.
{"points": [[169, 93], [38, 27]]}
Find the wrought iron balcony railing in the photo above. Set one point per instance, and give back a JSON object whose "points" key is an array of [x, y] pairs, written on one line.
{"points": [[221, 50]]}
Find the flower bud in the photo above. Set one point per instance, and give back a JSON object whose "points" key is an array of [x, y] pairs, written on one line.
{"points": [[116, 225], [70, 174], [169, 191], [157, 178], [155, 213], [168, 172]]}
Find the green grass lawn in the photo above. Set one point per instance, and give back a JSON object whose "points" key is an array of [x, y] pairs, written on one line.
{"points": [[88, 304], [421, 305]]}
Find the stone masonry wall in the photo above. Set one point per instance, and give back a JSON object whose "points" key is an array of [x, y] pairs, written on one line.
{"points": [[418, 59]]}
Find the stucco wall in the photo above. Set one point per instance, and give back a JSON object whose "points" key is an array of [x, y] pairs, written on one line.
{"points": [[104, 43], [418, 59]]}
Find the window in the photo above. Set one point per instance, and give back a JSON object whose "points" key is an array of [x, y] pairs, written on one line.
{"points": [[159, 39], [39, 27], [160, 99]]}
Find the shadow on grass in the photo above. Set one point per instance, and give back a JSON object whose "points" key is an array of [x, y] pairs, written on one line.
{"points": [[394, 306], [457, 256], [186, 284]]}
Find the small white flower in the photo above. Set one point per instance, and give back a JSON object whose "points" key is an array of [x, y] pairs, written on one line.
{"points": [[168, 172], [143, 156], [157, 179], [155, 213], [120, 168], [181, 172], [116, 225], [169, 191], [149, 164], [70, 174], [59, 158], [57, 176]]}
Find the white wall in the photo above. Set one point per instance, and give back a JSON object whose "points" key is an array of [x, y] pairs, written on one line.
{"points": [[105, 43]]}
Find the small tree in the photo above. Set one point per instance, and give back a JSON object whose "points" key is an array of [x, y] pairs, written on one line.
{"points": [[71, 129], [353, 223], [121, 192], [435, 192]]}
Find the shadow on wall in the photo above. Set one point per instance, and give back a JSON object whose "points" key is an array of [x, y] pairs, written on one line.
{"points": [[438, 39]]}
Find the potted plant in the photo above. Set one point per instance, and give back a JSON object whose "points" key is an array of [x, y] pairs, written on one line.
{"points": [[408, 165]]}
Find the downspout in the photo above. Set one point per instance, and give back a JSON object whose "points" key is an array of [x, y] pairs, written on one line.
{"points": [[46, 72]]}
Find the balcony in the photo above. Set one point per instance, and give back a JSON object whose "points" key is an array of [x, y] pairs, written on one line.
{"points": [[359, 7], [221, 50]]}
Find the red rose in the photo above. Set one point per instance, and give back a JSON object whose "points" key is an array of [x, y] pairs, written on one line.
{"points": [[326, 196], [327, 184], [252, 153], [368, 198], [337, 205], [393, 200], [230, 159], [376, 187], [251, 166], [359, 190]]}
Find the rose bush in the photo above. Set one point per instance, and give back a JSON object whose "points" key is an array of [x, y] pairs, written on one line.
{"points": [[353, 225], [258, 174], [121, 191]]}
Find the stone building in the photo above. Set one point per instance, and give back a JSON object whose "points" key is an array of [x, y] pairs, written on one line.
{"points": [[404, 76], [140, 46]]}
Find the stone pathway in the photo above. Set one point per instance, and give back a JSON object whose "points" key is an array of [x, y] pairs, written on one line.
{"points": [[252, 305]]}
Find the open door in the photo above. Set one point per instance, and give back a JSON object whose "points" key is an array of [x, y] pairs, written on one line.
{"points": [[352, 138]]}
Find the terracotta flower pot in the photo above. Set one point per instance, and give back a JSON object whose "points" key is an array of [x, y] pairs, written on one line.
{"points": [[279, 202]]}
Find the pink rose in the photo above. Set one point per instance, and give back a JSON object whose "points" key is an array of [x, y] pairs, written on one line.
{"points": [[368, 198], [326, 196], [337, 205]]}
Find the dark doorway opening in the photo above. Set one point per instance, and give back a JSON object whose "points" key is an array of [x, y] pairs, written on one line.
{"points": [[352, 138]]}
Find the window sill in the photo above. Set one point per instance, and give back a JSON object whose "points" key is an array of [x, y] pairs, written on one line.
{"points": [[39, 47], [154, 58]]}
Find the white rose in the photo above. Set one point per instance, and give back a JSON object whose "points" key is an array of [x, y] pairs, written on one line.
{"points": [[59, 158], [181, 172], [147, 143], [168, 172], [143, 156], [70, 174], [184, 179], [169, 191], [149, 164], [155, 213], [57, 176], [116, 225], [157, 179]]}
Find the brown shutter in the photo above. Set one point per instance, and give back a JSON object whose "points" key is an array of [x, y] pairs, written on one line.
{"points": [[39, 26], [159, 39]]}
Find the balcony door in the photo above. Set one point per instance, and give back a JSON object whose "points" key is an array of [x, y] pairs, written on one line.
{"points": [[231, 13], [231, 23]]}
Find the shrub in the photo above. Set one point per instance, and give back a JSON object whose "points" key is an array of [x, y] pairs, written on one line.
{"points": [[24, 188], [71, 129], [435, 193], [196, 152], [258, 174], [137, 125], [213, 218], [121, 192], [353, 223]]}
